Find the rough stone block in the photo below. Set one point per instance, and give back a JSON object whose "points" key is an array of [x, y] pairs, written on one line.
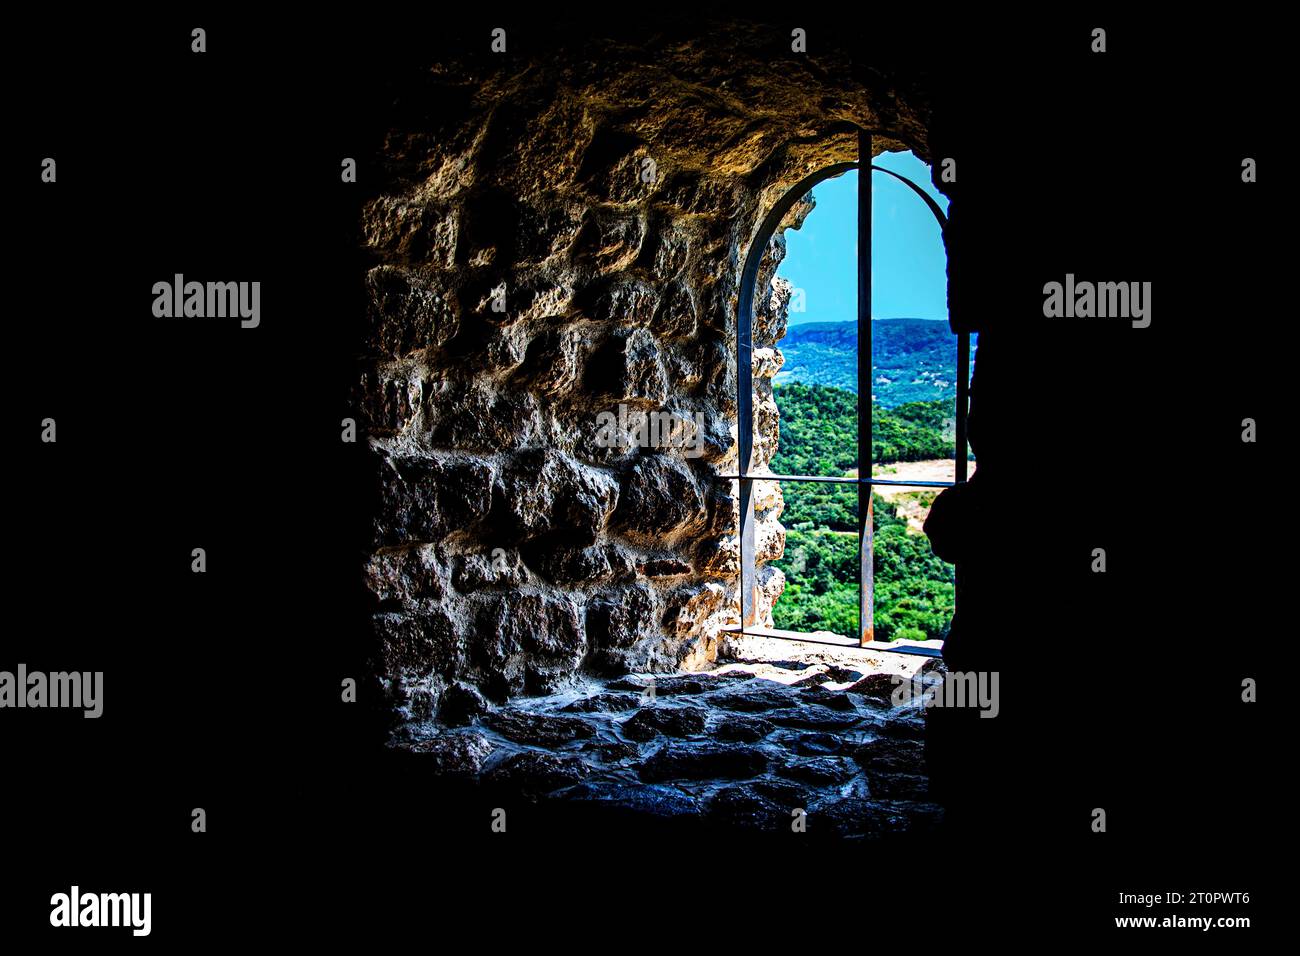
{"points": [[425, 499], [406, 314]]}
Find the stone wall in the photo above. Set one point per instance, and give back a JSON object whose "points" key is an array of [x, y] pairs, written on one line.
{"points": [[556, 236]]}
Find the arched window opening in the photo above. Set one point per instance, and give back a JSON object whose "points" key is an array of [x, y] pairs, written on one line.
{"points": [[870, 386]]}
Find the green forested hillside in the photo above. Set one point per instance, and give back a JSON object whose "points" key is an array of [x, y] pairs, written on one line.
{"points": [[913, 588], [819, 427]]}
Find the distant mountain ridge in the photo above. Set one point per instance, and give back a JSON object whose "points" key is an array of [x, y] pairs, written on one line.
{"points": [[912, 359]]}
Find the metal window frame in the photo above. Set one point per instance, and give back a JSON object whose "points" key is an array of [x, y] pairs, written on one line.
{"points": [[748, 585]]}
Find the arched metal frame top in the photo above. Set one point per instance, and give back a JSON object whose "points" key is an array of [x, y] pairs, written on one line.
{"points": [[745, 381]]}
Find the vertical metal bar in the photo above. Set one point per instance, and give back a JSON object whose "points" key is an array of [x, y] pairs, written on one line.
{"points": [[866, 583], [963, 384]]}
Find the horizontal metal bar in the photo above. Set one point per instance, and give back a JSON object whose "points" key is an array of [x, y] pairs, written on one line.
{"points": [[838, 481], [834, 481], [835, 640]]}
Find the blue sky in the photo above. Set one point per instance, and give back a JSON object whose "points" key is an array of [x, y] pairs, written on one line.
{"points": [[908, 261]]}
